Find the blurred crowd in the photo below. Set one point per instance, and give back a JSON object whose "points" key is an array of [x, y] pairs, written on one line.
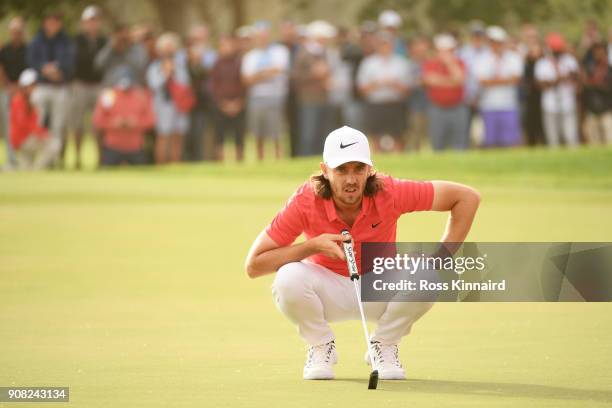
{"points": [[151, 97]]}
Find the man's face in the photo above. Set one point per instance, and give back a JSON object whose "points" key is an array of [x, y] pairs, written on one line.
{"points": [[385, 47], [91, 25], [52, 25], [347, 181]]}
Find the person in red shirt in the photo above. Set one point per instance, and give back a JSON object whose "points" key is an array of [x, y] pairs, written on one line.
{"points": [[312, 285], [123, 114], [444, 79], [35, 149]]}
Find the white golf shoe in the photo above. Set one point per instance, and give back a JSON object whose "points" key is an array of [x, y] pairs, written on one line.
{"points": [[319, 362], [387, 362]]}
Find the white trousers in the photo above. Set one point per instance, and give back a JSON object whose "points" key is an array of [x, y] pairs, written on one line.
{"points": [[557, 125], [52, 104], [312, 296]]}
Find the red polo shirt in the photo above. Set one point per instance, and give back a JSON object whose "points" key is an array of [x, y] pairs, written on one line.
{"points": [[377, 221], [445, 96]]}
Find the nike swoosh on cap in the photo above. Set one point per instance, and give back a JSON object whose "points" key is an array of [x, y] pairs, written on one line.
{"points": [[342, 146]]}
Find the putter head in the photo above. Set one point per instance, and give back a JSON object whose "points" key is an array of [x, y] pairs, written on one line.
{"points": [[373, 383]]}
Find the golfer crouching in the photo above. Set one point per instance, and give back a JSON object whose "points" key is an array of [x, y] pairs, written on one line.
{"points": [[312, 286]]}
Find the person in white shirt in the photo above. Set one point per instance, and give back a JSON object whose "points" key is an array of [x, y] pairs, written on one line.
{"points": [[498, 72], [384, 81], [265, 73], [556, 74]]}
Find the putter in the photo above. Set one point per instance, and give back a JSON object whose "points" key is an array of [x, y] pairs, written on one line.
{"points": [[352, 267]]}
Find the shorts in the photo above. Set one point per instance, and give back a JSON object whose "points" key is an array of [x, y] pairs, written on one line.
{"points": [[265, 117], [83, 101], [112, 157], [387, 118], [168, 119]]}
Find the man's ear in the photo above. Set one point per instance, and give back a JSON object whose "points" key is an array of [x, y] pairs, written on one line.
{"points": [[324, 169]]}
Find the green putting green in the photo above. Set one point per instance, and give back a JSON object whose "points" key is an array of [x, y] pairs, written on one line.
{"points": [[128, 287]]}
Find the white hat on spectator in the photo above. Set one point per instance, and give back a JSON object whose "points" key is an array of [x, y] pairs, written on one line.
{"points": [[321, 29], [444, 42], [90, 12], [244, 31], [390, 18], [496, 33], [345, 145], [27, 77]]}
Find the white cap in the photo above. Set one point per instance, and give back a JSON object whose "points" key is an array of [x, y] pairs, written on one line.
{"points": [[345, 145], [390, 18], [27, 77], [496, 33], [90, 12], [244, 31], [320, 29], [444, 42]]}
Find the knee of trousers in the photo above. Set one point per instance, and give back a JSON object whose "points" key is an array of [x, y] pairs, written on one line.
{"points": [[290, 283]]}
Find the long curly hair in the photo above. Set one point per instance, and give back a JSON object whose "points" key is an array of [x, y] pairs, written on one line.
{"points": [[322, 187]]}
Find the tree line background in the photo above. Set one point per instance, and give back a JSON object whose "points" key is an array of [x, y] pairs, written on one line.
{"points": [[423, 16]]}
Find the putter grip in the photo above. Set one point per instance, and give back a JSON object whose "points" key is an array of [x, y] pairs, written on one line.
{"points": [[349, 253]]}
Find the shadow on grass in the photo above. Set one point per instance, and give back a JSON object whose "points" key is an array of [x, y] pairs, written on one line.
{"points": [[477, 388]]}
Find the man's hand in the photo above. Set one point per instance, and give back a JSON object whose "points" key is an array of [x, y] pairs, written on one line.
{"points": [[266, 256], [328, 245]]}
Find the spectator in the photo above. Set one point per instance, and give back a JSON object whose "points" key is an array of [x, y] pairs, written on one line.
{"points": [[119, 54], [265, 73], [351, 54], [498, 72], [245, 39], [597, 82], [444, 78], [610, 46], [290, 39], [12, 64], [33, 147], [200, 59], [469, 54], [391, 22], [143, 35], [418, 101], [384, 81], [556, 74], [123, 113], [87, 78], [341, 76], [530, 35], [313, 74], [532, 95], [228, 94], [51, 54], [168, 78]]}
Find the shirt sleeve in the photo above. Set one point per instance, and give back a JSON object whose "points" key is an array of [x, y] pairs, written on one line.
{"points": [[247, 68], [363, 73], [542, 72], [412, 195], [288, 223]]}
